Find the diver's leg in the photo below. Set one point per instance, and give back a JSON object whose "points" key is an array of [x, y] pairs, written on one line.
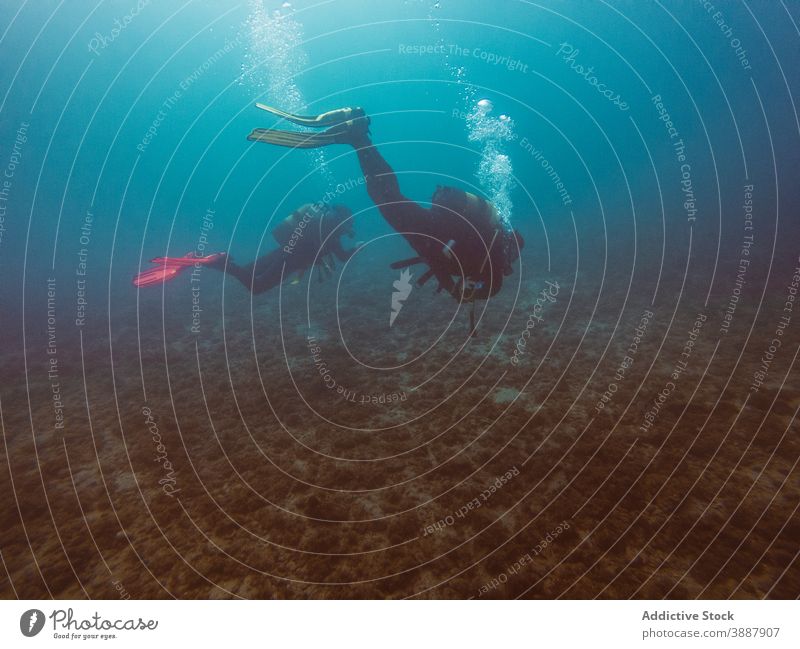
{"points": [[243, 273], [403, 214], [407, 217], [269, 271], [261, 275]]}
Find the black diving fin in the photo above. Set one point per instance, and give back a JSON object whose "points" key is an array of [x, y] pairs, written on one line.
{"points": [[291, 139], [349, 132]]}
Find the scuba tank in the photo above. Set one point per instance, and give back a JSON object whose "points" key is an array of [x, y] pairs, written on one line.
{"points": [[457, 205], [283, 231], [471, 226]]}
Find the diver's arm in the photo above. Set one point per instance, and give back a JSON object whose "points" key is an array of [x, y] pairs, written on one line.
{"points": [[341, 254], [443, 276]]}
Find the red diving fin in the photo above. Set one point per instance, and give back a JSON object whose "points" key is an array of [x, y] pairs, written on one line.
{"points": [[169, 267]]}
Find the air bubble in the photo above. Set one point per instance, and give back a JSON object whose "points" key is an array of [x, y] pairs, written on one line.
{"points": [[495, 170], [274, 59]]}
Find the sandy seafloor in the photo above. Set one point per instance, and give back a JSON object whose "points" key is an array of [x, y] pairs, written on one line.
{"points": [[288, 490]]}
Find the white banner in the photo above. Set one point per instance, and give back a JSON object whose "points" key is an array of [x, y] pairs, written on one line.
{"points": [[399, 624]]}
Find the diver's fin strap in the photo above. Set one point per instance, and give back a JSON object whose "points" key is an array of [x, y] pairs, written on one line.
{"points": [[291, 139], [405, 263]]}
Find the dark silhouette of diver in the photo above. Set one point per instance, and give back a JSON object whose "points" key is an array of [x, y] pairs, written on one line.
{"points": [[308, 237], [460, 237]]}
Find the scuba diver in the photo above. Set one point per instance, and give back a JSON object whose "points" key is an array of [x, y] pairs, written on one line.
{"points": [[460, 237], [308, 237]]}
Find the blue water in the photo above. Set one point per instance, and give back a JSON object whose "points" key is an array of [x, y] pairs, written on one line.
{"points": [[89, 109], [615, 137]]}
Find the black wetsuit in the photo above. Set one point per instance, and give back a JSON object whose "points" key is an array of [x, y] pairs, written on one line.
{"points": [[315, 243], [430, 230]]}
